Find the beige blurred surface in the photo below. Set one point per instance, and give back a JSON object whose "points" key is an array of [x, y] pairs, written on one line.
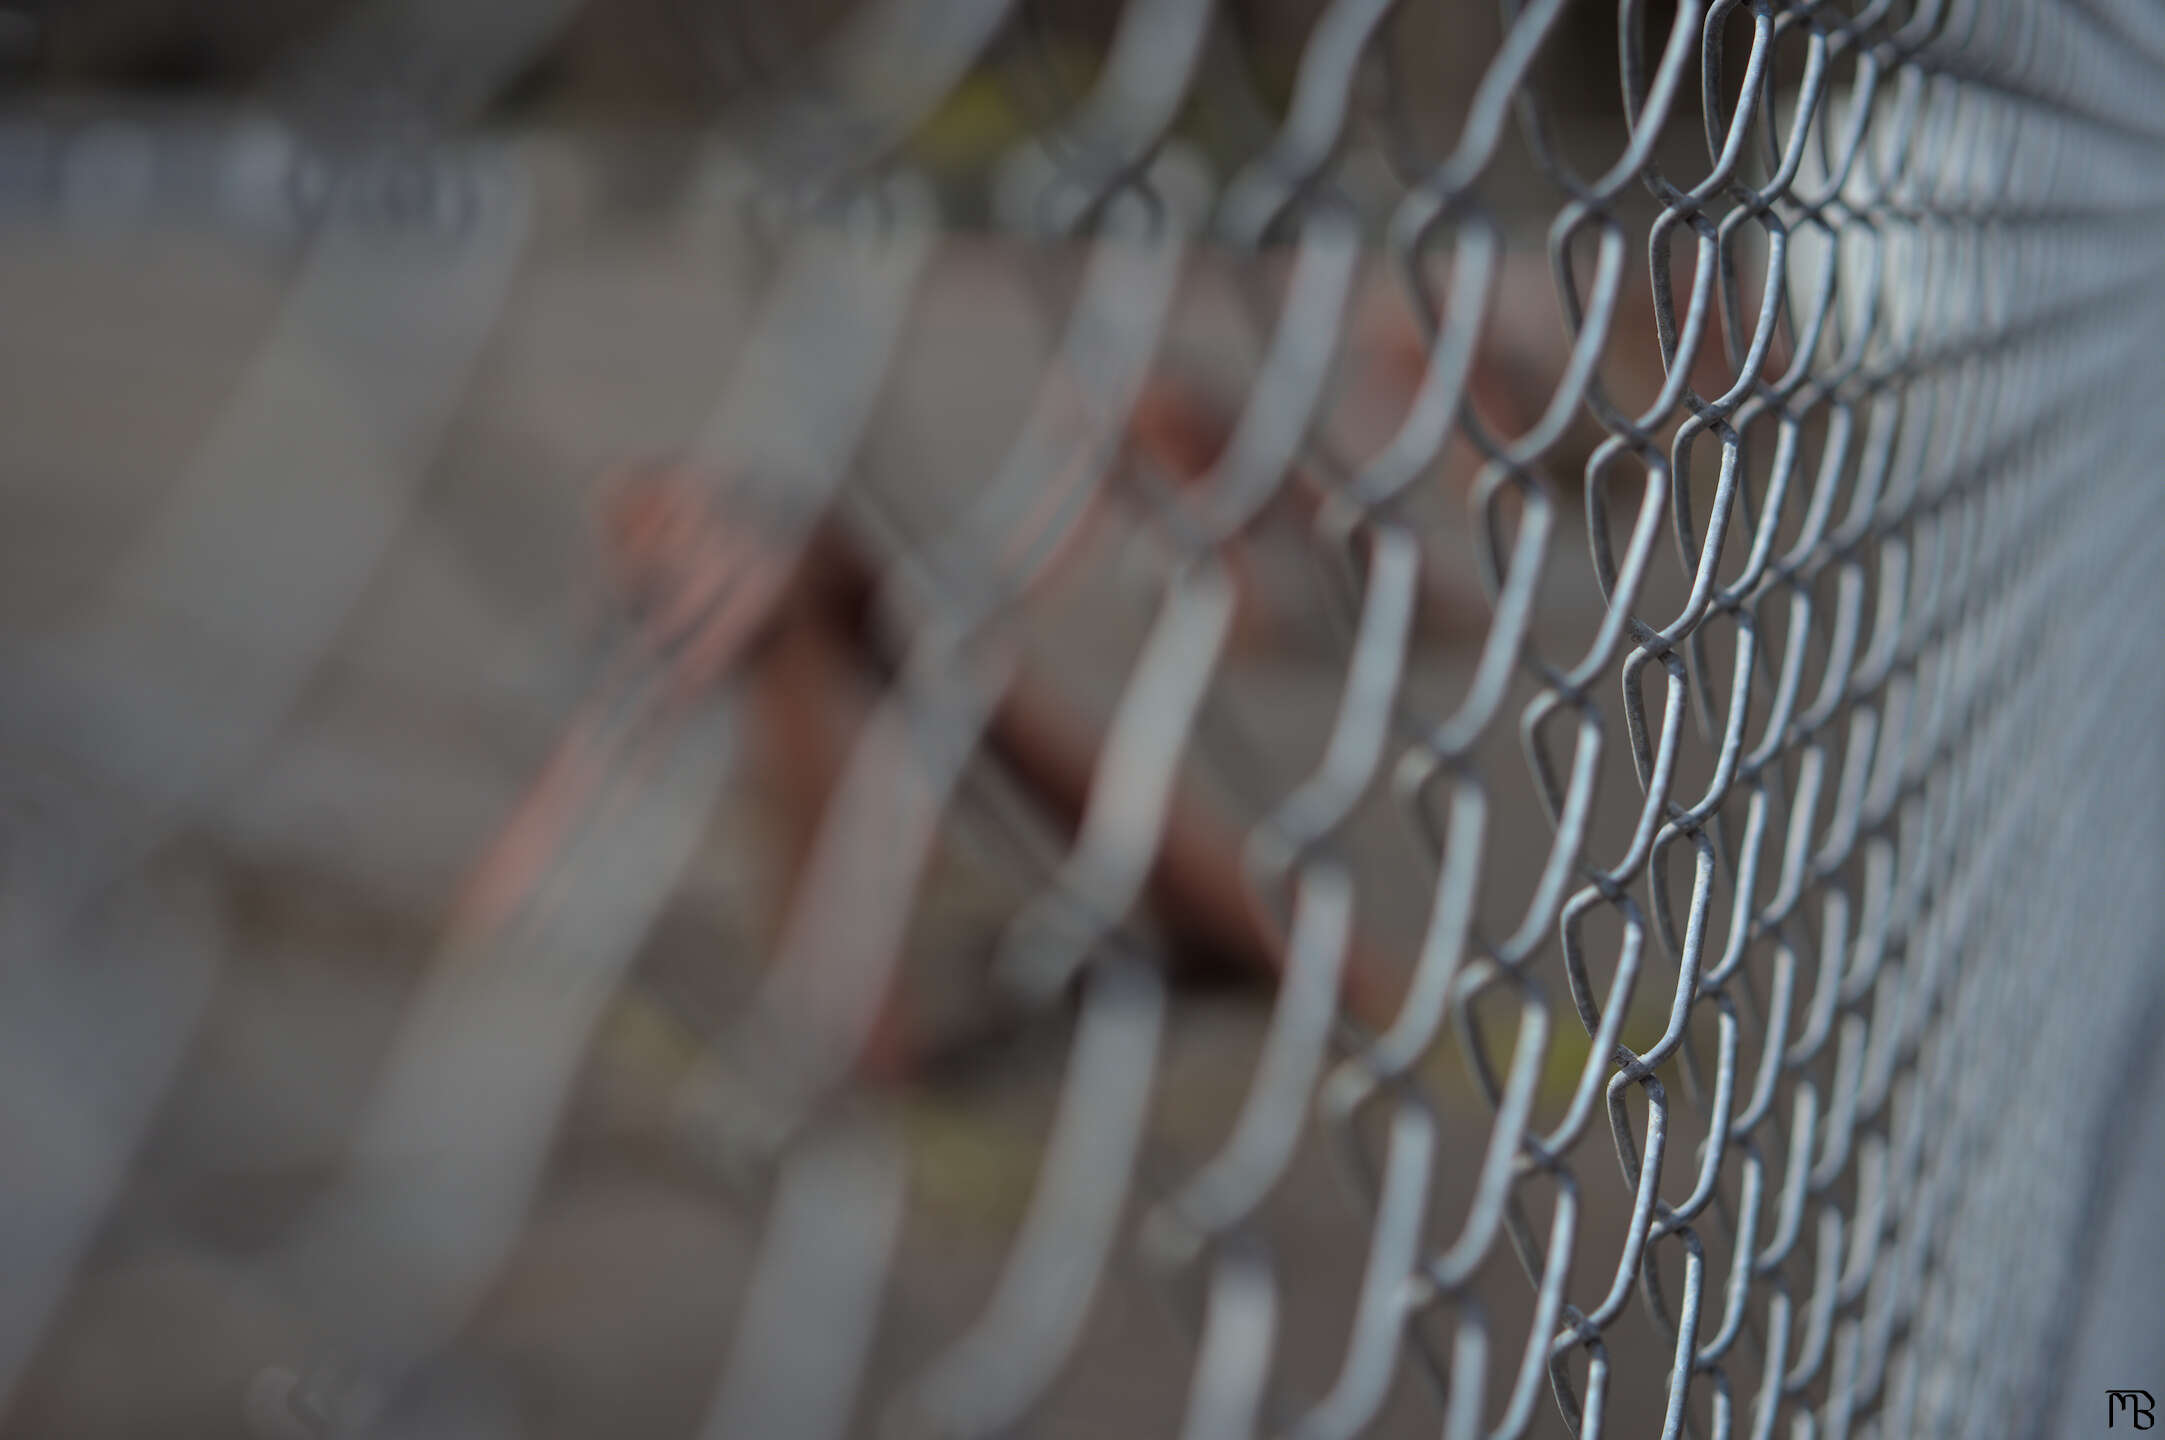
{"points": [[434, 703]]}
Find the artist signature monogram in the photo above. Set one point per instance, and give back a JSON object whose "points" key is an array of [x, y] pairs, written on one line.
{"points": [[2140, 1408]]}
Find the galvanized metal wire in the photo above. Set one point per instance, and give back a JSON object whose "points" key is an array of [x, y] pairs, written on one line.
{"points": [[1782, 790], [1903, 914]]}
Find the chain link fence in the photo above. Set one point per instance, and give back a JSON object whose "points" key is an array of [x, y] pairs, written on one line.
{"points": [[1362, 719]]}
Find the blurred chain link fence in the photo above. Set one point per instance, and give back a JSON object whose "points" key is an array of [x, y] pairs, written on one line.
{"points": [[1488, 688]]}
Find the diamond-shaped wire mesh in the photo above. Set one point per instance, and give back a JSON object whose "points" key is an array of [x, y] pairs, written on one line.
{"points": [[1419, 722]]}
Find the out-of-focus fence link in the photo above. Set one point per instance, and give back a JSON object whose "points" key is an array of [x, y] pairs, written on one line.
{"points": [[1622, 640]]}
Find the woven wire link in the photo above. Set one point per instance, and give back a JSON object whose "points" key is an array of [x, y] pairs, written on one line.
{"points": [[1761, 944], [1901, 916]]}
